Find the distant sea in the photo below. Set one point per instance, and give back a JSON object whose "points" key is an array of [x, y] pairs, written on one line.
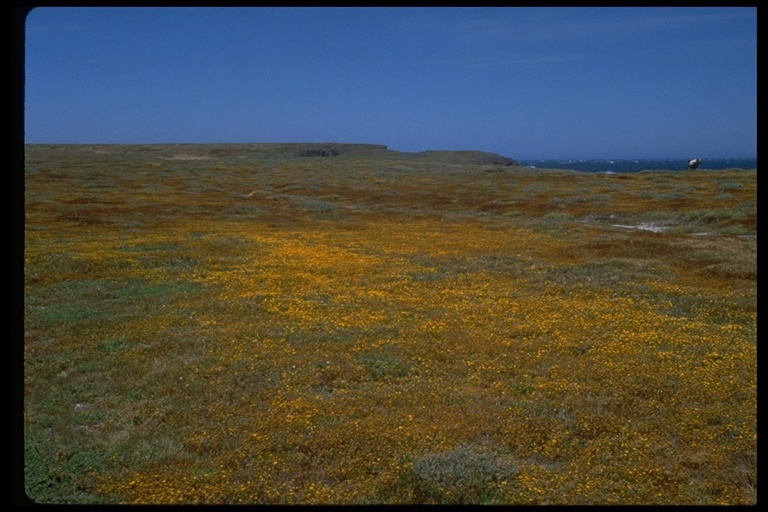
{"points": [[630, 165]]}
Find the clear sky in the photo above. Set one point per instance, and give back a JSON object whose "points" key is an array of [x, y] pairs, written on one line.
{"points": [[527, 83]]}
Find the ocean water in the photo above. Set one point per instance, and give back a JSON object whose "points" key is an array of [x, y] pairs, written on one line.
{"points": [[629, 165]]}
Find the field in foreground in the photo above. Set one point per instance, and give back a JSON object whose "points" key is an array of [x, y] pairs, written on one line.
{"points": [[213, 324]]}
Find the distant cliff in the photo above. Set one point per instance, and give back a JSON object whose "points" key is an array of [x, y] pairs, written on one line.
{"points": [[378, 151]]}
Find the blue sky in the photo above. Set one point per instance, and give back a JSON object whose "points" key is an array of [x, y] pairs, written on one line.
{"points": [[527, 83]]}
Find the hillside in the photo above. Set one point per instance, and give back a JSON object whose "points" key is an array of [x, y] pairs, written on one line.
{"points": [[278, 151]]}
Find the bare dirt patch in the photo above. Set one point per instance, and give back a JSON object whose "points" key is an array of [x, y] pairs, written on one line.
{"points": [[654, 227]]}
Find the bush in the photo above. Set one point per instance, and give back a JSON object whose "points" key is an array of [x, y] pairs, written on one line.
{"points": [[462, 475], [384, 366], [557, 217]]}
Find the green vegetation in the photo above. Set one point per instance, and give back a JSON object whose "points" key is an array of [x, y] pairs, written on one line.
{"points": [[251, 324]]}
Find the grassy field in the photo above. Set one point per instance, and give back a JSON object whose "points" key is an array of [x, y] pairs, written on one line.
{"points": [[225, 324]]}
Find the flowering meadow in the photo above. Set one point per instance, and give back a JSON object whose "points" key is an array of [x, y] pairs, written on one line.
{"points": [[219, 325]]}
